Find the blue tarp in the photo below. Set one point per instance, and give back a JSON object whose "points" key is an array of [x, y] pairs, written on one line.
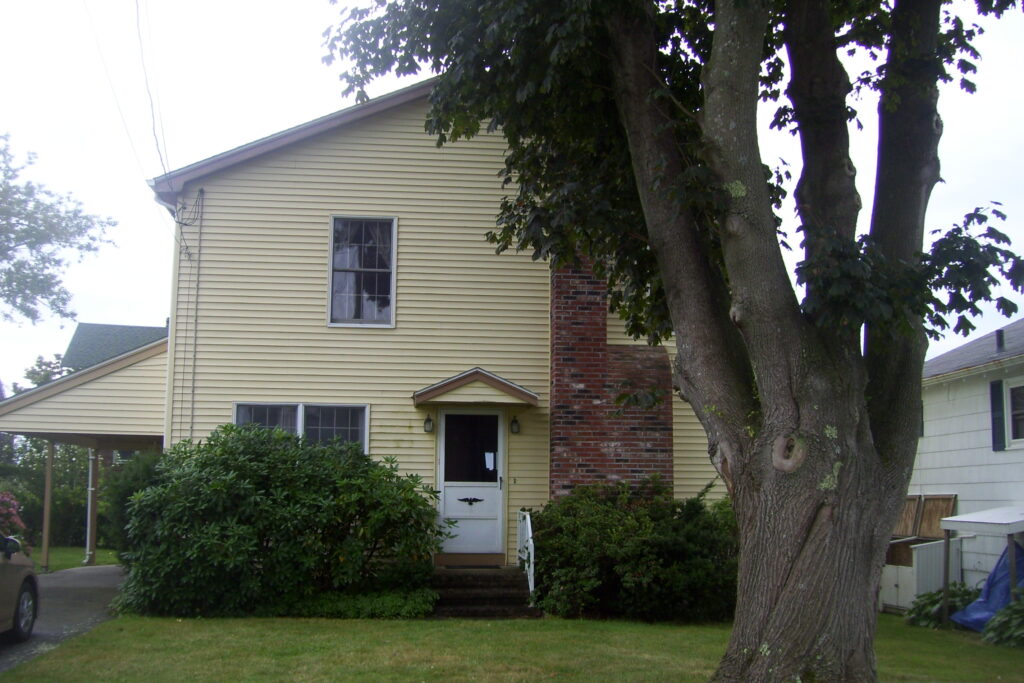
{"points": [[995, 595]]}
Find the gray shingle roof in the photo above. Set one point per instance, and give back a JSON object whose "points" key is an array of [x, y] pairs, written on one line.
{"points": [[980, 351], [94, 343]]}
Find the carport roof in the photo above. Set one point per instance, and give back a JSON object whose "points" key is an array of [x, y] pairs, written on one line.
{"points": [[94, 343]]}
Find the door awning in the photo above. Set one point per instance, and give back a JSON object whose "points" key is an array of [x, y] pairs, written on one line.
{"points": [[475, 386]]}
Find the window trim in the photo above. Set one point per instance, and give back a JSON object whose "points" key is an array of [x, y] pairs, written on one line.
{"points": [[1009, 384], [394, 270], [300, 417]]}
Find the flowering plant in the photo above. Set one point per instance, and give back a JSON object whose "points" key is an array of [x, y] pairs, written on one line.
{"points": [[10, 520]]}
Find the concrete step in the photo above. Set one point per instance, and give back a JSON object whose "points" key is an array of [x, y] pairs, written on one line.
{"points": [[478, 578], [495, 595], [491, 593]]}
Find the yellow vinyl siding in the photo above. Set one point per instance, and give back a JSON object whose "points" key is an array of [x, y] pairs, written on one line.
{"points": [[129, 401], [615, 332], [692, 468], [252, 292]]}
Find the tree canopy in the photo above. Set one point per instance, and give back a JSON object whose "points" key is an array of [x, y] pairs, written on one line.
{"points": [[40, 233], [540, 72], [633, 148]]}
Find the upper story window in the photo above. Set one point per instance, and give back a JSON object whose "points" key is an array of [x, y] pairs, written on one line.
{"points": [[315, 422], [362, 271]]}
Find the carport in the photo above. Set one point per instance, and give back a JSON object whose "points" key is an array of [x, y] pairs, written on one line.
{"points": [[116, 404]]}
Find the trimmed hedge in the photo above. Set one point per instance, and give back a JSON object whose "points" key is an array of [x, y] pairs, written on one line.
{"points": [[637, 553], [253, 520]]}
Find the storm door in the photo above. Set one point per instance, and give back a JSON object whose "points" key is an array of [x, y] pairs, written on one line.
{"points": [[472, 482]]}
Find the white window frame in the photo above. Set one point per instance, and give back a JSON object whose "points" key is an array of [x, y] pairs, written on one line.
{"points": [[300, 417], [394, 270], [1008, 386]]}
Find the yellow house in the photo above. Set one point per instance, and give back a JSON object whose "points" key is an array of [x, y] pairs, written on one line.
{"points": [[334, 279]]}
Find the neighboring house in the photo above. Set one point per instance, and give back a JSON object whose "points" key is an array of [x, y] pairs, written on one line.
{"points": [[972, 440], [333, 279]]}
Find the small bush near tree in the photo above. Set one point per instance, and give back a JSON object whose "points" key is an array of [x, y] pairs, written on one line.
{"points": [[636, 553], [253, 521], [926, 610], [1006, 627]]}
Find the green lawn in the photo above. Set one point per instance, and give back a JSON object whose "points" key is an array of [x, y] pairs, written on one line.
{"points": [[66, 557], [151, 649]]}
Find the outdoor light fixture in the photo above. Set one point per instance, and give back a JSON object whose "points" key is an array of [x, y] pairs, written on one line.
{"points": [[514, 426], [428, 425]]}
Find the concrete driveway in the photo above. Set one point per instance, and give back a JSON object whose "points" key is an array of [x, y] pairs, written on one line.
{"points": [[71, 602]]}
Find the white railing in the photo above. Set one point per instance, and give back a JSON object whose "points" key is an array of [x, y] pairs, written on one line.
{"points": [[526, 546]]}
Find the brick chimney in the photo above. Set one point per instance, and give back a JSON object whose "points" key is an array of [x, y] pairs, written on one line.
{"points": [[593, 440]]}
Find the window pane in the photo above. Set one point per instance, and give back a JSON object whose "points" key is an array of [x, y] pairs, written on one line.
{"points": [[1017, 412], [267, 416], [324, 423], [344, 300], [468, 439]]}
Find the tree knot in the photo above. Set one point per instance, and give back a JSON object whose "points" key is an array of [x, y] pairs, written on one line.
{"points": [[788, 453]]}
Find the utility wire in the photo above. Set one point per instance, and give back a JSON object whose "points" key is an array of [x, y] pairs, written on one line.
{"points": [[149, 93], [159, 107], [113, 90]]}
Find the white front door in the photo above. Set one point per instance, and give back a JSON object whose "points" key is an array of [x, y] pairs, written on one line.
{"points": [[472, 480]]}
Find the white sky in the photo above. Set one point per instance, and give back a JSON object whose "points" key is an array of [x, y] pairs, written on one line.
{"points": [[226, 72]]}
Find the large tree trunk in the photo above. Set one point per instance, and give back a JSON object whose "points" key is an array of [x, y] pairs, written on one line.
{"points": [[813, 543], [813, 436]]}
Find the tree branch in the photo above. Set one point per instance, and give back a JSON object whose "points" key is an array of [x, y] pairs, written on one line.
{"points": [[712, 362], [764, 306], [826, 195], [908, 168]]}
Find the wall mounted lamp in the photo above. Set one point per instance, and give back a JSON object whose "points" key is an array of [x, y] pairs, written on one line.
{"points": [[514, 425], [428, 425]]}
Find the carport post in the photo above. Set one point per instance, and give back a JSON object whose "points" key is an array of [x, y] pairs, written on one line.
{"points": [[47, 503], [90, 527]]}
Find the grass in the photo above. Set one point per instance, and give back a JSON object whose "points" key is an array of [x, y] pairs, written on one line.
{"points": [[152, 649], [66, 557]]}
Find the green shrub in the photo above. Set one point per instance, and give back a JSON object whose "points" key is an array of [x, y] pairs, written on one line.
{"points": [[411, 604], [253, 519], [926, 610], [120, 483], [1006, 627], [637, 553]]}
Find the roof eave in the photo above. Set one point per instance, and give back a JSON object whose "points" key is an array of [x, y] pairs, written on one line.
{"points": [[984, 368]]}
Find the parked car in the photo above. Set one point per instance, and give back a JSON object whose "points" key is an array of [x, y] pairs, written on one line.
{"points": [[19, 591]]}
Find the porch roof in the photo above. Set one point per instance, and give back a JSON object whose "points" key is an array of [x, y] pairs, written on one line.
{"points": [[475, 386]]}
